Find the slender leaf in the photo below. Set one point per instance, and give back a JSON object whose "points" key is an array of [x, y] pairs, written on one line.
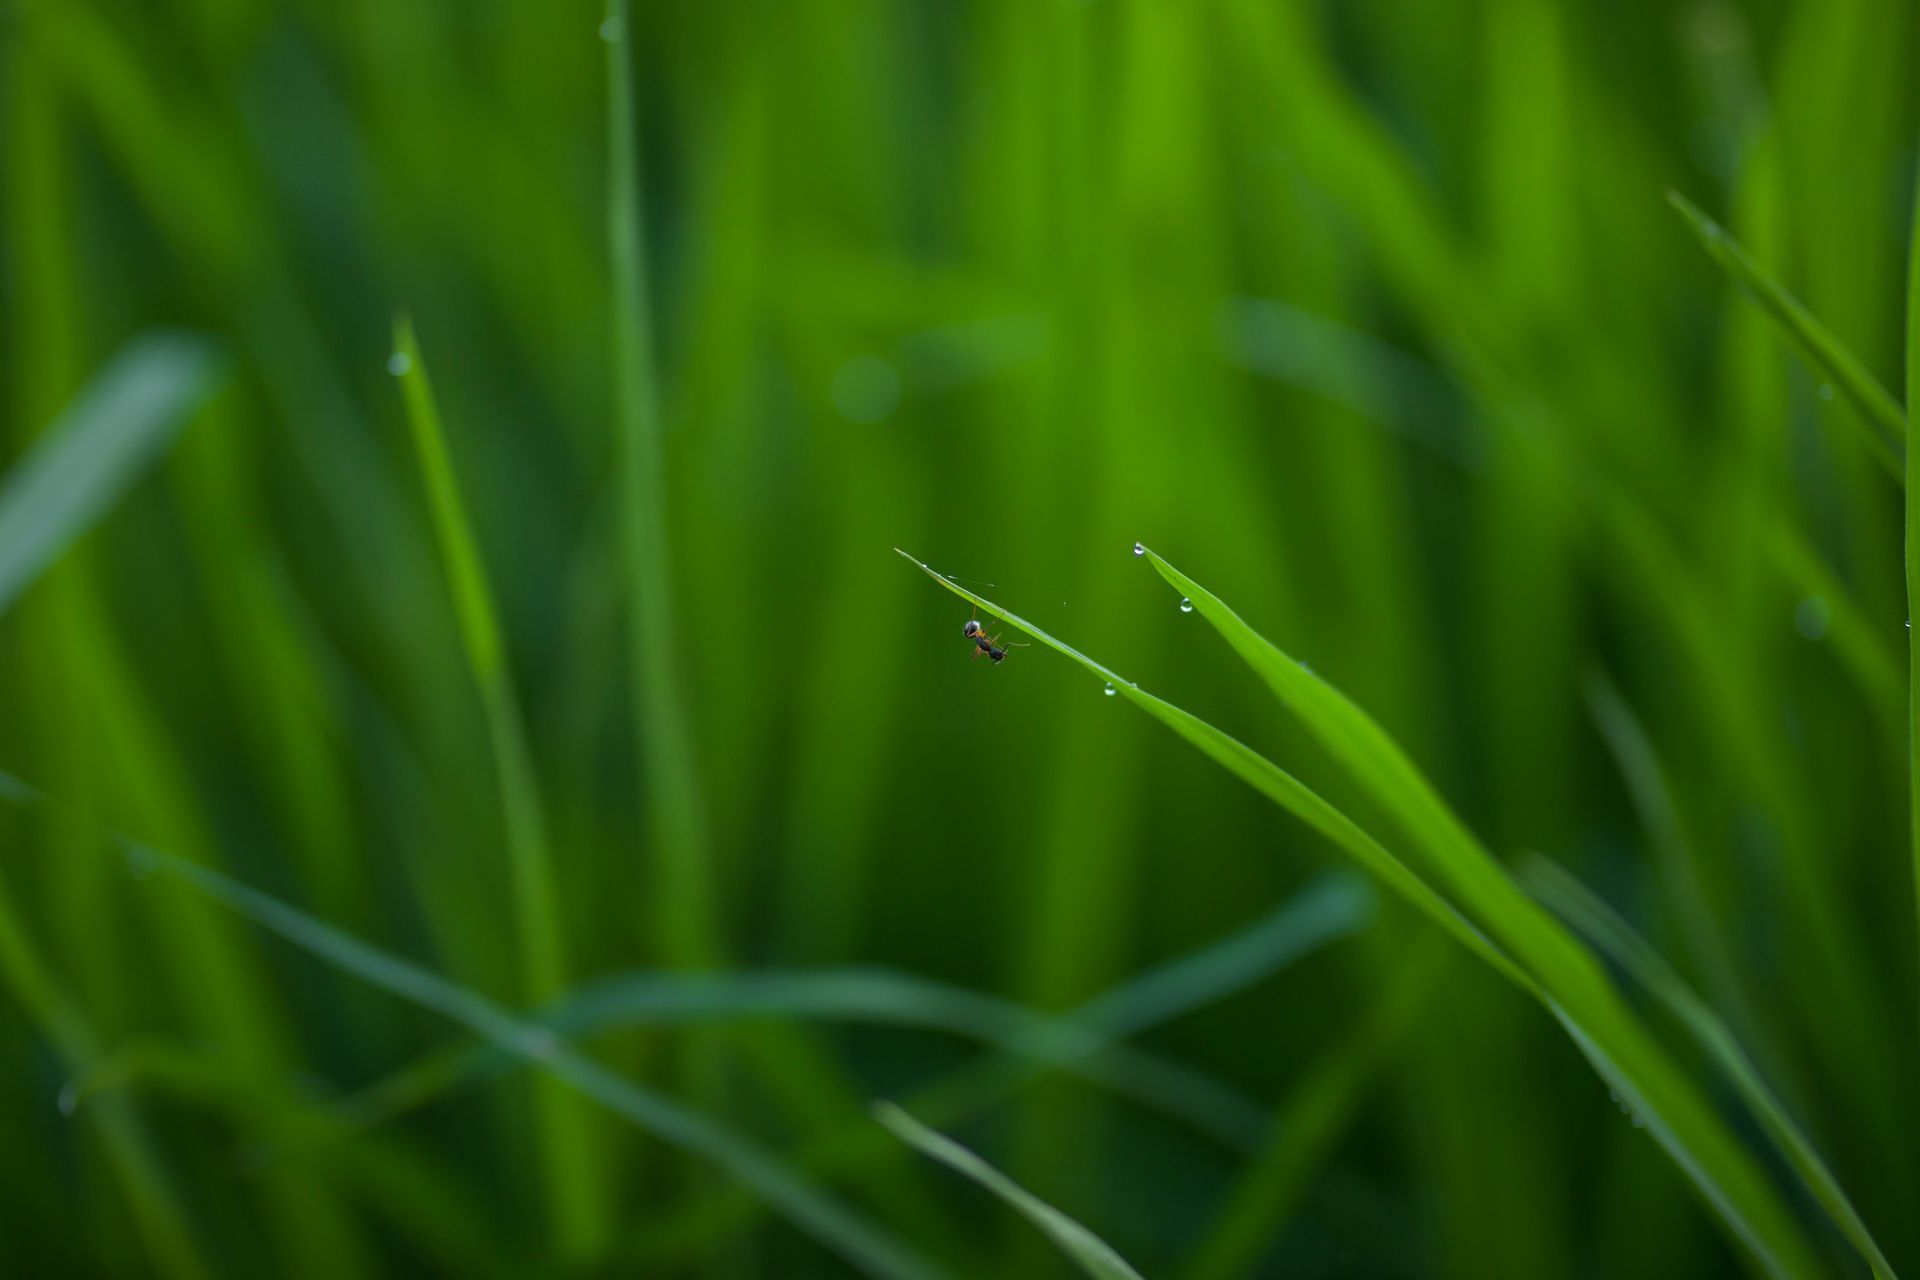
{"points": [[1884, 429], [1556, 969], [118, 425], [860, 1243], [1270, 780], [1580, 907], [1913, 558], [1311, 1116], [682, 912], [1567, 978], [1178, 987], [574, 1196], [1092, 1254]]}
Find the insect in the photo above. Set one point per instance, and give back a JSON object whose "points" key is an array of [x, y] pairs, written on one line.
{"points": [[984, 643]]}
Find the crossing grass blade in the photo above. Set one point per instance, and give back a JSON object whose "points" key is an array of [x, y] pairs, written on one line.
{"points": [[1493, 917], [573, 1189], [1600, 925], [163, 1229], [865, 1246], [1084, 1042], [1565, 975], [1088, 1251], [1310, 1119], [1270, 780], [1211, 973], [117, 426], [1884, 429]]}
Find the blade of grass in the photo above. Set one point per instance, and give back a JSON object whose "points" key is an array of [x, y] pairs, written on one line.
{"points": [[1580, 907], [1559, 971], [1088, 1251], [158, 1217], [870, 996], [1083, 1042], [1200, 978], [1271, 781], [420, 1200], [684, 910], [867, 1247], [573, 1188], [1310, 1119], [1566, 976], [1884, 425], [122, 420], [1913, 552]]}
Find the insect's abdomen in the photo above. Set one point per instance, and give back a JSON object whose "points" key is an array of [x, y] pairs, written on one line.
{"points": [[998, 655]]}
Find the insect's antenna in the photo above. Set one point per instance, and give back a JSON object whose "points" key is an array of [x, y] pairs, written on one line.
{"points": [[1000, 586]]}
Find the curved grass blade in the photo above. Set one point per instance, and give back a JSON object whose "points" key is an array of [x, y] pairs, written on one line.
{"points": [[416, 1197], [683, 913], [1310, 1119], [116, 426], [1082, 1042], [868, 1248], [1271, 781], [1564, 974], [1580, 907], [865, 1246], [574, 1198], [1092, 1254], [1884, 427], [1180, 986], [159, 1219]]}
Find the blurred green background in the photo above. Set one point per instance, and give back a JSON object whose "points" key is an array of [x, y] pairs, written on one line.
{"points": [[1371, 316]]}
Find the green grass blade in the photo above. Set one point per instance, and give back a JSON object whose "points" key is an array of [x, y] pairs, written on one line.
{"points": [[1083, 1042], [574, 1189], [865, 1246], [1580, 907], [1566, 976], [1133, 1006], [1885, 425], [684, 911], [121, 421], [159, 1219], [1092, 1254], [1271, 781], [1556, 967], [1913, 556], [1310, 1119]]}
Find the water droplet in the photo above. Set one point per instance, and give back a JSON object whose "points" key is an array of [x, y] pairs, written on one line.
{"points": [[1111, 691], [1811, 616], [399, 364], [1186, 605], [610, 30], [69, 1100], [866, 389], [1824, 391], [1638, 1123], [1139, 548]]}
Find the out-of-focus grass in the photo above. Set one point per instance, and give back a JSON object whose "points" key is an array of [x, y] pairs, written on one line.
{"points": [[1088, 1251], [1376, 310]]}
